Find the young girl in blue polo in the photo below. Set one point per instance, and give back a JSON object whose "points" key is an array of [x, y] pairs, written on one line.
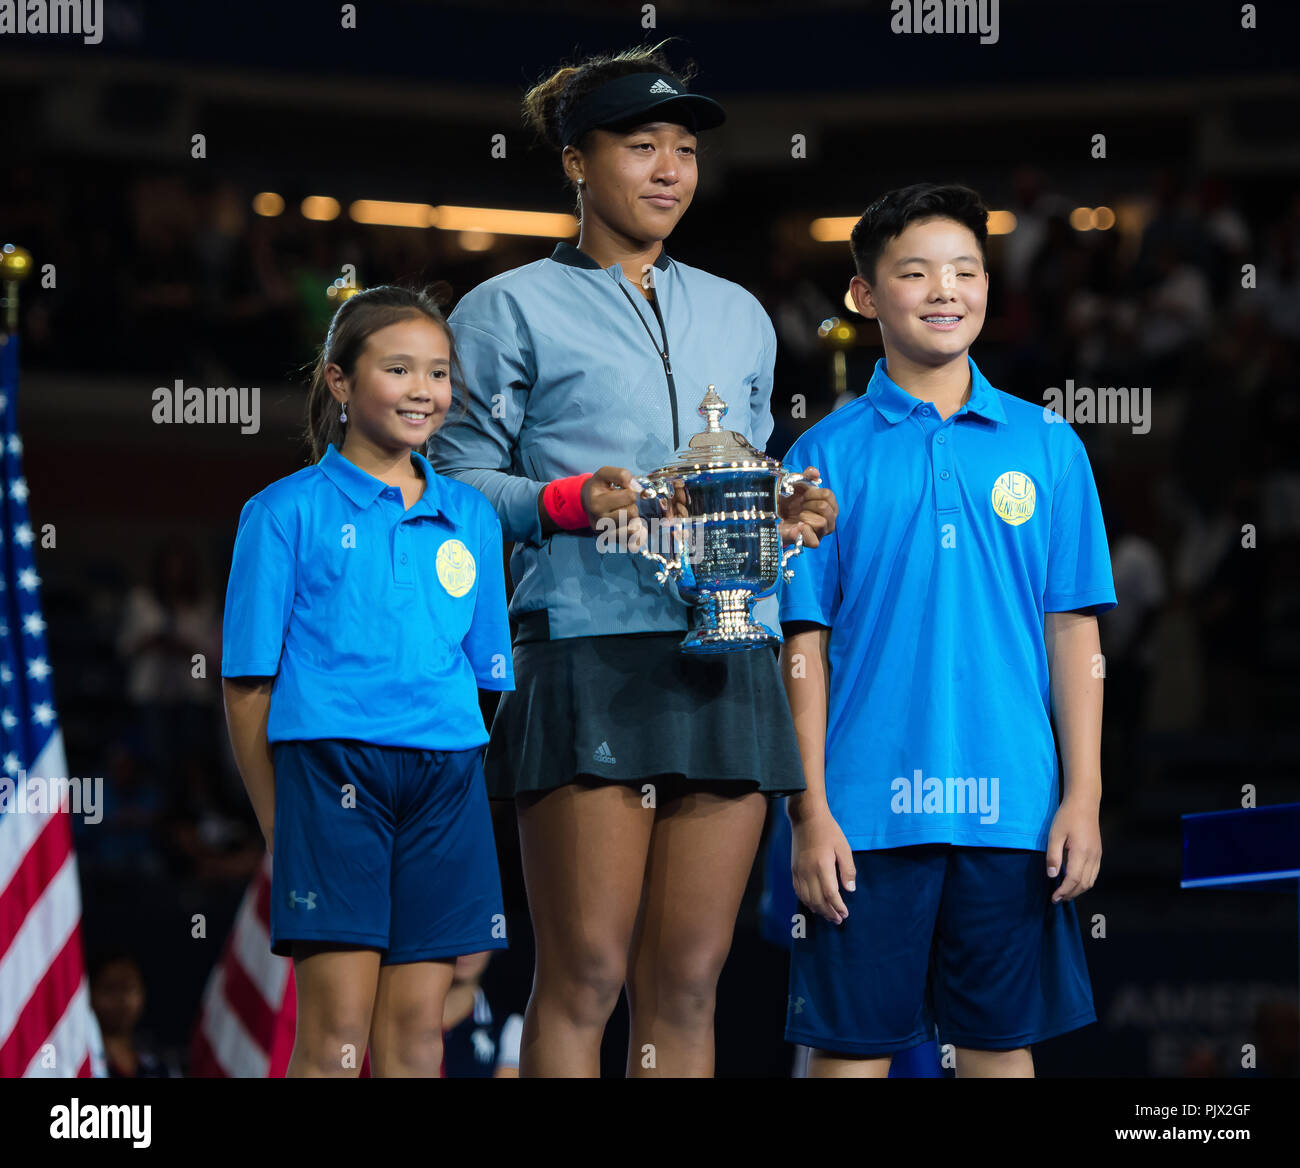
{"points": [[365, 608]]}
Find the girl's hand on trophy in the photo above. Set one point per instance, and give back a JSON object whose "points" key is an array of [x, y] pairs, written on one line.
{"points": [[810, 509], [610, 499]]}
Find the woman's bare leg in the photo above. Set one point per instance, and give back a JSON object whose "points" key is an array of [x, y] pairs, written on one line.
{"points": [[701, 853], [584, 858]]}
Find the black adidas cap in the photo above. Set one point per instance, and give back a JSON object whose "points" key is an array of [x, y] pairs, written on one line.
{"points": [[625, 100]]}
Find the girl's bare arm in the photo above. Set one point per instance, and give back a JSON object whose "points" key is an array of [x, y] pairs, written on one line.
{"points": [[248, 703]]}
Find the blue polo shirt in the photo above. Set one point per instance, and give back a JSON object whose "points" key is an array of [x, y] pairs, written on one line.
{"points": [[954, 539], [378, 623]]}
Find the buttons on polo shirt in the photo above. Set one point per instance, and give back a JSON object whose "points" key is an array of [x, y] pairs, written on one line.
{"points": [[946, 495], [925, 410], [401, 573]]}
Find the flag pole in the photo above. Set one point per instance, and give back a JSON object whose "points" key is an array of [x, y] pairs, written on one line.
{"points": [[15, 267], [55, 1032]]}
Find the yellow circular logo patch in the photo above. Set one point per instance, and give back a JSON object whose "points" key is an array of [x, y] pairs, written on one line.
{"points": [[455, 567], [1013, 497]]}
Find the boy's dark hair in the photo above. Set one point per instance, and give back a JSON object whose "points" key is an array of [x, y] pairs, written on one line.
{"points": [[888, 217], [355, 320], [547, 103]]}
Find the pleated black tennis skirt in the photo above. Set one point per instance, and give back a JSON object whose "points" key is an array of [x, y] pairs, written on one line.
{"points": [[634, 708]]}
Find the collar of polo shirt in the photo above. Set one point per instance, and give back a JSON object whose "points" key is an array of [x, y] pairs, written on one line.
{"points": [[566, 253], [363, 489], [895, 403]]}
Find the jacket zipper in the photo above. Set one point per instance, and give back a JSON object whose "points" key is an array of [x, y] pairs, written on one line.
{"points": [[663, 353]]}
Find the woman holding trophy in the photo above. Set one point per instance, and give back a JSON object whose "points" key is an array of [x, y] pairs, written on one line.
{"points": [[640, 773]]}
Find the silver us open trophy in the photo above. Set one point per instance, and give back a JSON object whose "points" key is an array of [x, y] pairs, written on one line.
{"points": [[721, 496]]}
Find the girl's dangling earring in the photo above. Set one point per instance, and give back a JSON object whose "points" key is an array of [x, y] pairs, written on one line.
{"points": [[343, 417]]}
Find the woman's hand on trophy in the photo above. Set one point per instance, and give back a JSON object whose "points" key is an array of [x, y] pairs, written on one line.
{"points": [[610, 499], [809, 508]]}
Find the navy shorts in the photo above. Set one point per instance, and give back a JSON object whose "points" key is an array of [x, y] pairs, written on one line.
{"points": [[963, 937], [383, 847]]}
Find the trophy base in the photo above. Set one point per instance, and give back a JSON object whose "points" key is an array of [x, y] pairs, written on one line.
{"points": [[727, 625]]}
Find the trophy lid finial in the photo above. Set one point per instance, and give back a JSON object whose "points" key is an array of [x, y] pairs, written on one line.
{"points": [[711, 409], [715, 447]]}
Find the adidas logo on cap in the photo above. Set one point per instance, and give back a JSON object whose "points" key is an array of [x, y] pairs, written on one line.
{"points": [[662, 86]]}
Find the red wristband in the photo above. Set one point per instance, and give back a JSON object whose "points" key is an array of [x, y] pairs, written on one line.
{"points": [[562, 499]]}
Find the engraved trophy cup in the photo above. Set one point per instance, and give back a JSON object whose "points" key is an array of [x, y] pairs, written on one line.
{"points": [[727, 544]]}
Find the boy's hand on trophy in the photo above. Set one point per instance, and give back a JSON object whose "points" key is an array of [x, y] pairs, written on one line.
{"points": [[810, 509]]}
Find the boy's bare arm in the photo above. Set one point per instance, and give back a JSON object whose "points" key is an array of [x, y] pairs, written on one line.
{"points": [[1075, 669], [821, 861], [805, 669], [248, 703]]}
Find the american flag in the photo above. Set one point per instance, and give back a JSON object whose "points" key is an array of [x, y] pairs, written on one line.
{"points": [[47, 1027], [250, 1007]]}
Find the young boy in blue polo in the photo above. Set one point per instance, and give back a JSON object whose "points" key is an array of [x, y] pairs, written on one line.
{"points": [[365, 609], [928, 642]]}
